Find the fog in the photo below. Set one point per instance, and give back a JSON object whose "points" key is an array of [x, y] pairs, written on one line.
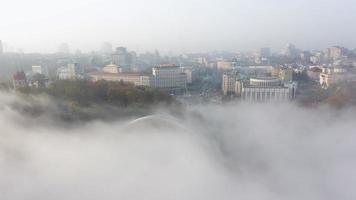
{"points": [[236, 151], [177, 25]]}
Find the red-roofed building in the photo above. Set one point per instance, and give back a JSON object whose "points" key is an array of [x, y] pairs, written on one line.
{"points": [[19, 79]]}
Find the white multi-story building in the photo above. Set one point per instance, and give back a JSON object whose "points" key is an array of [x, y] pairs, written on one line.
{"points": [[38, 69], [168, 76], [229, 82], [267, 89], [112, 68], [334, 75], [224, 65], [190, 74], [70, 72], [131, 78]]}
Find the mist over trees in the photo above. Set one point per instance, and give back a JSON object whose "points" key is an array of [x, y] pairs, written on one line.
{"points": [[232, 151]]}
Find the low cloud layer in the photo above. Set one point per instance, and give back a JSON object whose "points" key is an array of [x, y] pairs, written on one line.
{"points": [[250, 152]]}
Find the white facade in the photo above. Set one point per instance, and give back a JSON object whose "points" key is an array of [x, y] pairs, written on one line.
{"points": [[189, 72], [70, 72], [266, 94], [267, 89], [229, 83], [330, 76], [114, 69], [131, 78], [165, 77], [37, 69], [168, 77]]}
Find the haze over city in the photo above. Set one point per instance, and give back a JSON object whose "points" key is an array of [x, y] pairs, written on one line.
{"points": [[177, 100], [176, 26]]}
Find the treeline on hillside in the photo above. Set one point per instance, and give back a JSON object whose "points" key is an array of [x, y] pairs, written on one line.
{"points": [[84, 93], [338, 96]]}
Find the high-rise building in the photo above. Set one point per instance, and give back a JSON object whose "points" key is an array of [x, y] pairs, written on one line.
{"points": [[336, 52], [305, 56], [229, 82], [121, 57], [291, 51]]}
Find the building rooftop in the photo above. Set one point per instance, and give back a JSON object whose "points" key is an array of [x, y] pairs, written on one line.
{"points": [[100, 73], [167, 66], [19, 75]]}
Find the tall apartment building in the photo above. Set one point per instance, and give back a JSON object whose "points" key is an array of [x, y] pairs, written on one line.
{"points": [[229, 82], [336, 52], [123, 58]]}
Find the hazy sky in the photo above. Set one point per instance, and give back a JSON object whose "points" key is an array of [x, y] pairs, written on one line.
{"points": [[177, 25]]}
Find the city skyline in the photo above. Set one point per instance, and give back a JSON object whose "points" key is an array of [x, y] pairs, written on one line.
{"points": [[178, 27]]}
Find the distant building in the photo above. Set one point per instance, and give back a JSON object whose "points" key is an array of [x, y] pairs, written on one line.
{"points": [[168, 76], [19, 79], [123, 58], [130, 78], [336, 52], [38, 69], [305, 56], [229, 82], [190, 74], [70, 72], [314, 73], [224, 65], [286, 74], [267, 89], [254, 70], [112, 68], [38, 81], [291, 51], [333, 75], [317, 58]]}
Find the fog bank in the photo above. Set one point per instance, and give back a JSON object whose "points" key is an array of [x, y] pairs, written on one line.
{"points": [[209, 152]]}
